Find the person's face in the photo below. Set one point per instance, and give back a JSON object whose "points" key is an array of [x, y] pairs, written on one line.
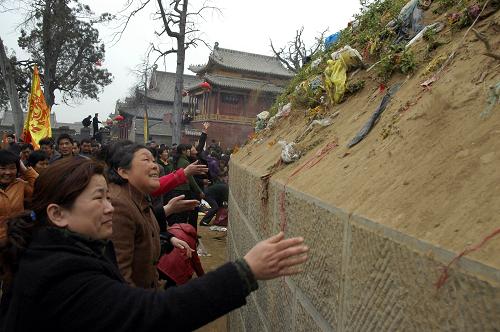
{"points": [[193, 152], [143, 173], [47, 149], [86, 148], [76, 149], [94, 149], [91, 213], [65, 147], [10, 139], [8, 174], [25, 154], [164, 155], [41, 166]]}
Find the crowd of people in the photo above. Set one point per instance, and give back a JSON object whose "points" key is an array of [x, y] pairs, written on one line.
{"points": [[104, 237]]}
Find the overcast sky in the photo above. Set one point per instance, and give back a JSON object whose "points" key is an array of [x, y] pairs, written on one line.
{"points": [[242, 25]]}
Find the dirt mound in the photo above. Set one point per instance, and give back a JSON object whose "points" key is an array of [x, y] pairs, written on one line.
{"points": [[430, 167]]}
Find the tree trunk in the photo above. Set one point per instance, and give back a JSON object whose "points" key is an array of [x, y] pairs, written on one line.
{"points": [[10, 85], [179, 77], [50, 59]]}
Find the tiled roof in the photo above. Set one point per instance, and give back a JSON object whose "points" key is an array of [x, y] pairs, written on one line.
{"points": [[154, 111], [162, 86], [240, 83], [156, 129], [250, 62]]}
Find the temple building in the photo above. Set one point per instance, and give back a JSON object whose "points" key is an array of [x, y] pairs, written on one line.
{"points": [[158, 101], [235, 87]]}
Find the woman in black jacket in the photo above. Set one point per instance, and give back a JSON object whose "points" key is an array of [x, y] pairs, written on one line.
{"points": [[61, 272]]}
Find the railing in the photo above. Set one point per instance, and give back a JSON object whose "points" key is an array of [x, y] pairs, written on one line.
{"points": [[224, 117]]}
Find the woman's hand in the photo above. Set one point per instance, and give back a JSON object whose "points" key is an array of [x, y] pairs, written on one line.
{"points": [[276, 257], [178, 243], [179, 204], [206, 125], [195, 169]]}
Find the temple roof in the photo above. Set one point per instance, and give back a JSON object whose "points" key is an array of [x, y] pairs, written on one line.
{"points": [[162, 86], [239, 83], [155, 112], [243, 61]]}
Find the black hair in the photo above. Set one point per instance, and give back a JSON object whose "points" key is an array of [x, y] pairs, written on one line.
{"points": [[26, 146], [65, 136], [154, 152], [85, 140], [11, 136], [180, 148], [119, 155], [35, 157], [9, 158], [46, 141]]}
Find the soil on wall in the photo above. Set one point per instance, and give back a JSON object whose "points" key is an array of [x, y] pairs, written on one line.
{"points": [[429, 168]]}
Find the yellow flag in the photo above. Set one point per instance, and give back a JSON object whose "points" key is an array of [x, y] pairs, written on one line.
{"points": [[37, 124]]}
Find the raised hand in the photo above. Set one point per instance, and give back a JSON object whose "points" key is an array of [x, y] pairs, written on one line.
{"points": [[206, 125], [179, 204], [195, 169]]}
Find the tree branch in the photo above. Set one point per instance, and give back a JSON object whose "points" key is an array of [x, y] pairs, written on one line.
{"points": [[281, 59], [165, 23]]}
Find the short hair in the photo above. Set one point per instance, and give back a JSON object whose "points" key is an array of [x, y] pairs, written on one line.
{"points": [[9, 158], [27, 146], [77, 143], [85, 140], [36, 157], [46, 141], [65, 136], [11, 136]]}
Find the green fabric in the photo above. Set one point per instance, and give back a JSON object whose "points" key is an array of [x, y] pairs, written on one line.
{"points": [[191, 185], [167, 167]]}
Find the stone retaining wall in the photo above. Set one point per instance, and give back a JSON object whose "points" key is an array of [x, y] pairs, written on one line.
{"points": [[361, 275]]}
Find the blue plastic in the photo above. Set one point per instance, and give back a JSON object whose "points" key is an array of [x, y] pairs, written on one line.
{"points": [[331, 39]]}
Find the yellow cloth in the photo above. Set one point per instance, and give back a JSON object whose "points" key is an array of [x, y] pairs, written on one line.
{"points": [[37, 124], [336, 72]]}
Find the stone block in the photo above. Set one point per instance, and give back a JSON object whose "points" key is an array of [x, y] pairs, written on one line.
{"points": [[323, 231], [391, 287]]}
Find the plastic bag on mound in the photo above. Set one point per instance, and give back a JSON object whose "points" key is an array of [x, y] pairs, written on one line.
{"points": [[289, 153], [282, 112], [343, 61]]}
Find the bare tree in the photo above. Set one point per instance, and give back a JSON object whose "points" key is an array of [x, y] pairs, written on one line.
{"points": [[178, 23], [295, 53], [8, 73]]}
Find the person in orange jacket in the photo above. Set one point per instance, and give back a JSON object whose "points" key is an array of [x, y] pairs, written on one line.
{"points": [[14, 191]]}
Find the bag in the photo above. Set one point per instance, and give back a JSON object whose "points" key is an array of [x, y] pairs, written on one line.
{"points": [[221, 217]]}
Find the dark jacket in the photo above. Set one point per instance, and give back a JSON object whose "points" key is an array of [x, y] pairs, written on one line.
{"points": [[219, 192], [68, 283]]}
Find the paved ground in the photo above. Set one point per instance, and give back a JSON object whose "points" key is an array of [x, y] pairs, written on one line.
{"points": [[215, 244]]}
